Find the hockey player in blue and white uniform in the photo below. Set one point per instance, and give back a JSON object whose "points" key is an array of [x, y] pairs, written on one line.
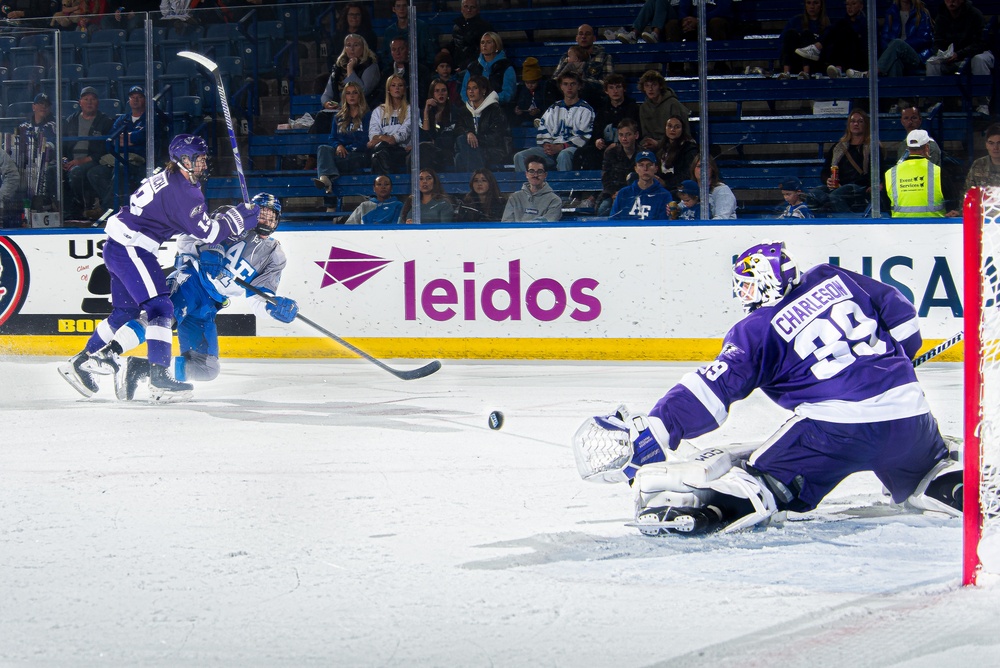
{"points": [[645, 198], [832, 346], [166, 204], [202, 285]]}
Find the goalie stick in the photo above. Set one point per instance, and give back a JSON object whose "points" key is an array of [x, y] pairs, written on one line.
{"points": [[411, 374], [213, 68], [938, 349]]}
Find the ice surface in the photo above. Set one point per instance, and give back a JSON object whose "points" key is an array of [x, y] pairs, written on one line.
{"points": [[324, 513]]}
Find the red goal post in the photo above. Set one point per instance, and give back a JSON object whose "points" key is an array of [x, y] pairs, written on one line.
{"points": [[981, 524]]}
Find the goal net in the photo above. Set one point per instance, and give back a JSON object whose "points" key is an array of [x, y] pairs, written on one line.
{"points": [[982, 384]]}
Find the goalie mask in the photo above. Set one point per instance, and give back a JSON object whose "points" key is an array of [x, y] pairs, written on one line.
{"points": [[763, 274], [185, 150], [270, 213]]}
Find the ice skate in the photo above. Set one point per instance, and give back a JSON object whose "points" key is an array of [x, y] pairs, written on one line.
{"points": [[127, 377], [681, 520], [77, 376], [164, 389], [104, 362]]}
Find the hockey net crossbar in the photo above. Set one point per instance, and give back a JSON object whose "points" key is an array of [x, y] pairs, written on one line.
{"points": [[982, 384]]}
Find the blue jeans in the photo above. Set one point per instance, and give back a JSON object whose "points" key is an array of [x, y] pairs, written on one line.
{"points": [[654, 13], [898, 59], [467, 159], [845, 199], [562, 162]]}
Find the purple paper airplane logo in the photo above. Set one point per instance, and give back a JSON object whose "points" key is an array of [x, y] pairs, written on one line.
{"points": [[349, 268]]}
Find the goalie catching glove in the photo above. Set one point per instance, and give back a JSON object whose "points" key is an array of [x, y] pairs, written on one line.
{"points": [[283, 309], [610, 448]]}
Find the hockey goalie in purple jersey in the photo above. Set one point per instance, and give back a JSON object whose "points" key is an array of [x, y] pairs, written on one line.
{"points": [[832, 346], [169, 203]]}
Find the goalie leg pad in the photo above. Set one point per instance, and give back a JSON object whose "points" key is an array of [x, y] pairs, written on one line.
{"points": [[708, 481], [941, 489]]}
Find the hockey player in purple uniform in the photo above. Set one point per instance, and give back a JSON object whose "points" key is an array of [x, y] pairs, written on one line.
{"points": [[203, 284], [168, 203], [832, 346]]}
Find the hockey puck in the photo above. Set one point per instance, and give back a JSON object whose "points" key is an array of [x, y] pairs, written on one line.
{"points": [[496, 420]]}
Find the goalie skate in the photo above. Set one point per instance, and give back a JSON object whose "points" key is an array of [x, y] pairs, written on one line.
{"points": [[164, 389], [684, 521]]}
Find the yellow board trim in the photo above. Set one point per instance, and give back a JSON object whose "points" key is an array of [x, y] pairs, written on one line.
{"points": [[654, 350]]}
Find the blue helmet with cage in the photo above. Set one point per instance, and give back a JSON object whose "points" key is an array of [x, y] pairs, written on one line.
{"points": [[267, 223], [763, 274], [190, 147]]}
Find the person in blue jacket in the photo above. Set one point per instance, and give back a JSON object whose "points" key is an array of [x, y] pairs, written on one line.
{"points": [[645, 198]]}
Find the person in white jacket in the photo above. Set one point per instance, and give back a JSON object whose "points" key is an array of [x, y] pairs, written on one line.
{"points": [[564, 128], [535, 202]]}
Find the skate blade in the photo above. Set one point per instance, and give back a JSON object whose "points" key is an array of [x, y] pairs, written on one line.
{"points": [[160, 396], [682, 524], [95, 367], [66, 371]]}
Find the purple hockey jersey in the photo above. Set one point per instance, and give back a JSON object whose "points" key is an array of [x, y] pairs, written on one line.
{"points": [[164, 205], [837, 348]]}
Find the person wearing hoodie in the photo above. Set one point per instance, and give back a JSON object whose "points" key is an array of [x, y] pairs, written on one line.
{"points": [[535, 202], [495, 66], [482, 138], [661, 103], [645, 198]]}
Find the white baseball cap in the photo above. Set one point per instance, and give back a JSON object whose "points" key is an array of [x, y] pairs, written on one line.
{"points": [[917, 138]]}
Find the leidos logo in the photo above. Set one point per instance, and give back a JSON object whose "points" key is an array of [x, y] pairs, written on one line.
{"points": [[544, 299], [13, 278], [349, 268]]}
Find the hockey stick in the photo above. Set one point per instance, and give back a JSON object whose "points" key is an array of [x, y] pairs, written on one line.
{"points": [[938, 349], [213, 68], [412, 374]]}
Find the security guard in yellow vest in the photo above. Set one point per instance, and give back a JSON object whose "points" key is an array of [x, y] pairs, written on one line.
{"points": [[914, 184]]}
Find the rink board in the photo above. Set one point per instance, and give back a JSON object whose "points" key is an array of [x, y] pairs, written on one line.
{"points": [[647, 292]]}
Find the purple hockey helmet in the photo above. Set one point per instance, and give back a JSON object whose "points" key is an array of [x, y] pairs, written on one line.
{"points": [[190, 147], [763, 274]]}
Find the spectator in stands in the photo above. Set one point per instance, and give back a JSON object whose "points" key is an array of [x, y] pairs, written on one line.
{"points": [[27, 9], [596, 68], [442, 73], [661, 103], [129, 131], [355, 64], [611, 110], [437, 129], [122, 18], [645, 198], [68, 17], [466, 32], [961, 26], [802, 39], [382, 209], [40, 131], [483, 203], [82, 155], [906, 38], [648, 24], [618, 165], [795, 206], [482, 138], [400, 67], [689, 194], [177, 14], [353, 19], [850, 189], [914, 185], [11, 206], [721, 200], [495, 66], [910, 119], [676, 152], [426, 39], [564, 128], [529, 100], [985, 171], [347, 150], [390, 128], [535, 202], [718, 14], [846, 46], [435, 205]]}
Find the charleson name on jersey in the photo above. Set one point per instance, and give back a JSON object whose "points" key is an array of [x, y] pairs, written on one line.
{"points": [[789, 321]]}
